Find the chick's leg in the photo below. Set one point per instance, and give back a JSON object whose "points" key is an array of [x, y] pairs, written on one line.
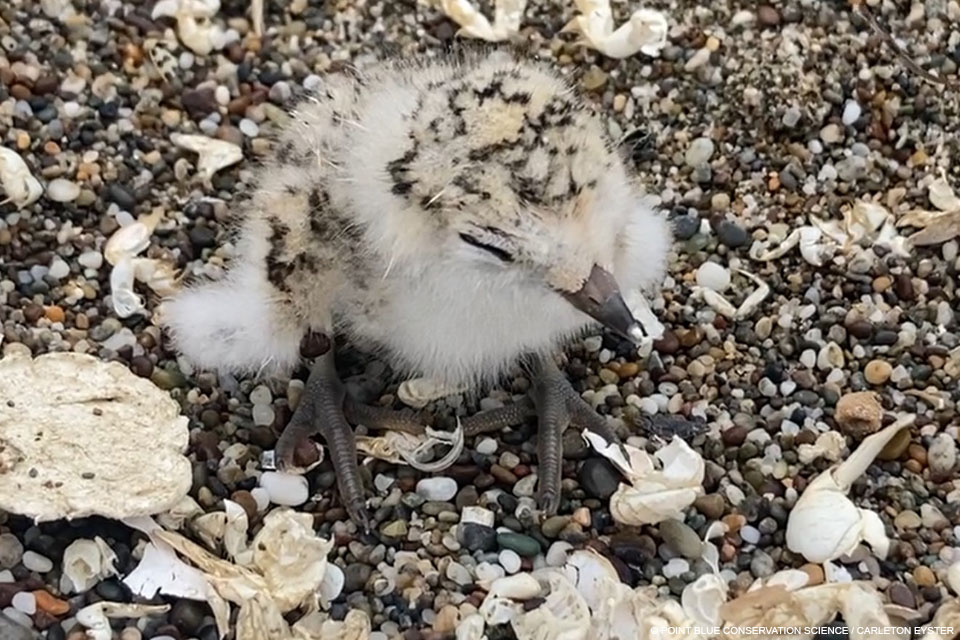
{"points": [[557, 405], [321, 410]]}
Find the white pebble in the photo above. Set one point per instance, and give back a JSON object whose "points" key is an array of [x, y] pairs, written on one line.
{"points": [[486, 447], [285, 489], [851, 112], [699, 151], [488, 572], [525, 486], [19, 617], [249, 128], [261, 497], [26, 602], [510, 561], [33, 561], [459, 573], [750, 535], [478, 515], [60, 190], [261, 395], [90, 260], [222, 95], [59, 269], [437, 489], [557, 553], [831, 134], [713, 276], [263, 415], [383, 482], [6, 576], [675, 568]]}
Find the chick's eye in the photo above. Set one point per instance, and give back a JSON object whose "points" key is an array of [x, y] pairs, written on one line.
{"points": [[489, 248]]}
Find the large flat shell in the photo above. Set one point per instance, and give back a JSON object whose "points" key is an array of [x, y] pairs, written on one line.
{"points": [[81, 437]]}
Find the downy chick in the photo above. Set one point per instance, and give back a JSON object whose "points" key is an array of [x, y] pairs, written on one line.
{"points": [[461, 216]]}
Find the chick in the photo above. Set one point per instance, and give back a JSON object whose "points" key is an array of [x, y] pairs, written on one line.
{"points": [[461, 216]]}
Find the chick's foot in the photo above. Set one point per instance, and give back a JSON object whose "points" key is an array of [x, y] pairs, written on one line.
{"points": [[557, 406], [326, 409]]}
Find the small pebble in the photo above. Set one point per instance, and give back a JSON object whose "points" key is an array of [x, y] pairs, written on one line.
{"points": [[509, 560], [284, 488], [437, 489], [33, 561], [713, 276]]}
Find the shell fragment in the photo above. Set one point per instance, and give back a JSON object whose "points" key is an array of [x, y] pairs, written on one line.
{"points": [[645, 31]]}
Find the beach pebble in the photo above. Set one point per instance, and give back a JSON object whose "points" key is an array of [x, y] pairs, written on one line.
{"points": [[33, 561], [509, 560], [284, 488], [437, 489], [60, 190], [713, 276]]}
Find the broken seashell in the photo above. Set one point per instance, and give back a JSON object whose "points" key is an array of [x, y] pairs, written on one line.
{"points": [[521, 586], [829, 445], [506, 19], [824, 524], [942, 196], [160, 276], [126, 302], [858, 414], [471, 628], [405, 448], [645, 31], [130, 240], [195, 27], [214, 154], [945, 621], [419, 392], [563, 615], [96, 617], [21, 188], [78, 431], [653, 494], [85, 563]]}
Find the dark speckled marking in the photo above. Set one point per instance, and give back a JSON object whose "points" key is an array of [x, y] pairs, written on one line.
{"points": [[277, 270]]}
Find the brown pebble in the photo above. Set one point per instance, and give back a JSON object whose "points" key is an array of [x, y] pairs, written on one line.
{"points": [[142, 366], [913, 466], [924, 576], [81, 321], [314, 344], [877, 371], [860, 329], [768, 16], [918, 453], [903, 286], [20, 92], [711, 505], [734, 436], [54, 606], [246, 500], [668, 344], [858, 414], [306, 453], [502, 474], [897, 445], [900, 594], [815, 573], [33, 312], [734, 522], [54, 314]]}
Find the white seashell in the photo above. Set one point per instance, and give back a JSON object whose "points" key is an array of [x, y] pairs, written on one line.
{"points": [[645, 31], [85, 563], [471, 627], [653, 495], [521, 586], [781, 249], [717, 302], [563, 616], [213, 154], [126, 302], [160, 276], [235, 529], [478, 515], [473, 24], [184, 511], [399, 447], [96, 617], [942, 196], [19, 185], [703, 598], [497, 610], [829, 445], [824, 524], [945, 621], [809, 243], [132, 239], [419, 392]]}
